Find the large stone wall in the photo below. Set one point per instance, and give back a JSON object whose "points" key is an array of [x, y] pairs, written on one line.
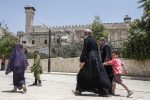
{"points": [[71, 65]]}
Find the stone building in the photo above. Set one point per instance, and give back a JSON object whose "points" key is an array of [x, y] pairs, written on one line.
{"points": [[38, 36]]}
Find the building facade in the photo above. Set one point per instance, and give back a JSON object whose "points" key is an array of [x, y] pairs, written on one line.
{"points": [[39, 36]]}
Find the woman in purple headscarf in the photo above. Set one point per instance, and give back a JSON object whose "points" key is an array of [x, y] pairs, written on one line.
{"points": [[18, 64]]}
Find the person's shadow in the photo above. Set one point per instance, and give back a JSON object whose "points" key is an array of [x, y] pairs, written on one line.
{"points": [[10, 91], [89, 94]]}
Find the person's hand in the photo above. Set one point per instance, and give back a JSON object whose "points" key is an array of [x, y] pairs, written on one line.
{"points": [[81, 65], [124, 72], [27, 65], [103, 64], [6, 73]]}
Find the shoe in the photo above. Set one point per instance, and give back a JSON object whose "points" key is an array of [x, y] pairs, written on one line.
{"points": [[103, 95], [76, 92], [40, 84], [34, 84], [24, 89], [14, 90], [130, 93], [113, 94]]}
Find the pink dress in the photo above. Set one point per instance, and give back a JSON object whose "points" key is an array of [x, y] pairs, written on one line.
{"points": [[117, 65]]}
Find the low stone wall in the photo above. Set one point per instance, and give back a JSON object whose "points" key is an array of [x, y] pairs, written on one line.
{"points": [[137, 68], [71, 65]]}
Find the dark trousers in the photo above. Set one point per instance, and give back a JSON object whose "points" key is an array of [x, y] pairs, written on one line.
{"points": [[2, 66]]}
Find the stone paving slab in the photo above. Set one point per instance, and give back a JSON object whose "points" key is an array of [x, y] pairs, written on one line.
{"points": [[59, 87]]}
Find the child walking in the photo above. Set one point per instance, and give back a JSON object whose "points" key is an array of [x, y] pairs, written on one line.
{"points": [[118, 67], [37, 68]]}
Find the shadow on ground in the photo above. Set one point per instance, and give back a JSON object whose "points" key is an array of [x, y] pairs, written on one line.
{"points": [[10, 91]]}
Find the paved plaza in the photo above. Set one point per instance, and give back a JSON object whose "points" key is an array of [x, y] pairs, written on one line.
{"points": [[59, 86]]}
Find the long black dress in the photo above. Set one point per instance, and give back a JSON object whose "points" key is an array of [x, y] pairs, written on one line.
{"points": [[92, 77]]}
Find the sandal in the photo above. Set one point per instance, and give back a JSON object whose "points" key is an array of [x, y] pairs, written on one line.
{"points": [[14, 90], [24, 89], [130, 93], [76, 92]]}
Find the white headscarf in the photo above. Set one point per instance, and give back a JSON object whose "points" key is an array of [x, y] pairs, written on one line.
{"points": [[87, 32]]}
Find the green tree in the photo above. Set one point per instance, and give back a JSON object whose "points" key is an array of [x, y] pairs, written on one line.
{"points": [[146, 14], [98, 28], [6, 46], [7, 43], [137, 46]]}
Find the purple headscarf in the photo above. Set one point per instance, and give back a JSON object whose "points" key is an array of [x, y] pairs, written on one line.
{"points": [[18, 61]]}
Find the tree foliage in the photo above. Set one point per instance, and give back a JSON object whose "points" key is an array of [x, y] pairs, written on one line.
{"points": [[6, 46], [7, 42], [98, 28], [137, 46]]}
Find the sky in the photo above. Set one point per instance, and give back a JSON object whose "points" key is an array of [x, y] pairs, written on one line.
{"points": [[67, 12]]}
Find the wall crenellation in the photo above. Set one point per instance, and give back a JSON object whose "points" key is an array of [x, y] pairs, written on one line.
{"points": [[83, 26], [71, 26]]}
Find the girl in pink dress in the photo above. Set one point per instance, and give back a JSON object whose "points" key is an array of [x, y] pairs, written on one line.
{"points": [[118, 68]]}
